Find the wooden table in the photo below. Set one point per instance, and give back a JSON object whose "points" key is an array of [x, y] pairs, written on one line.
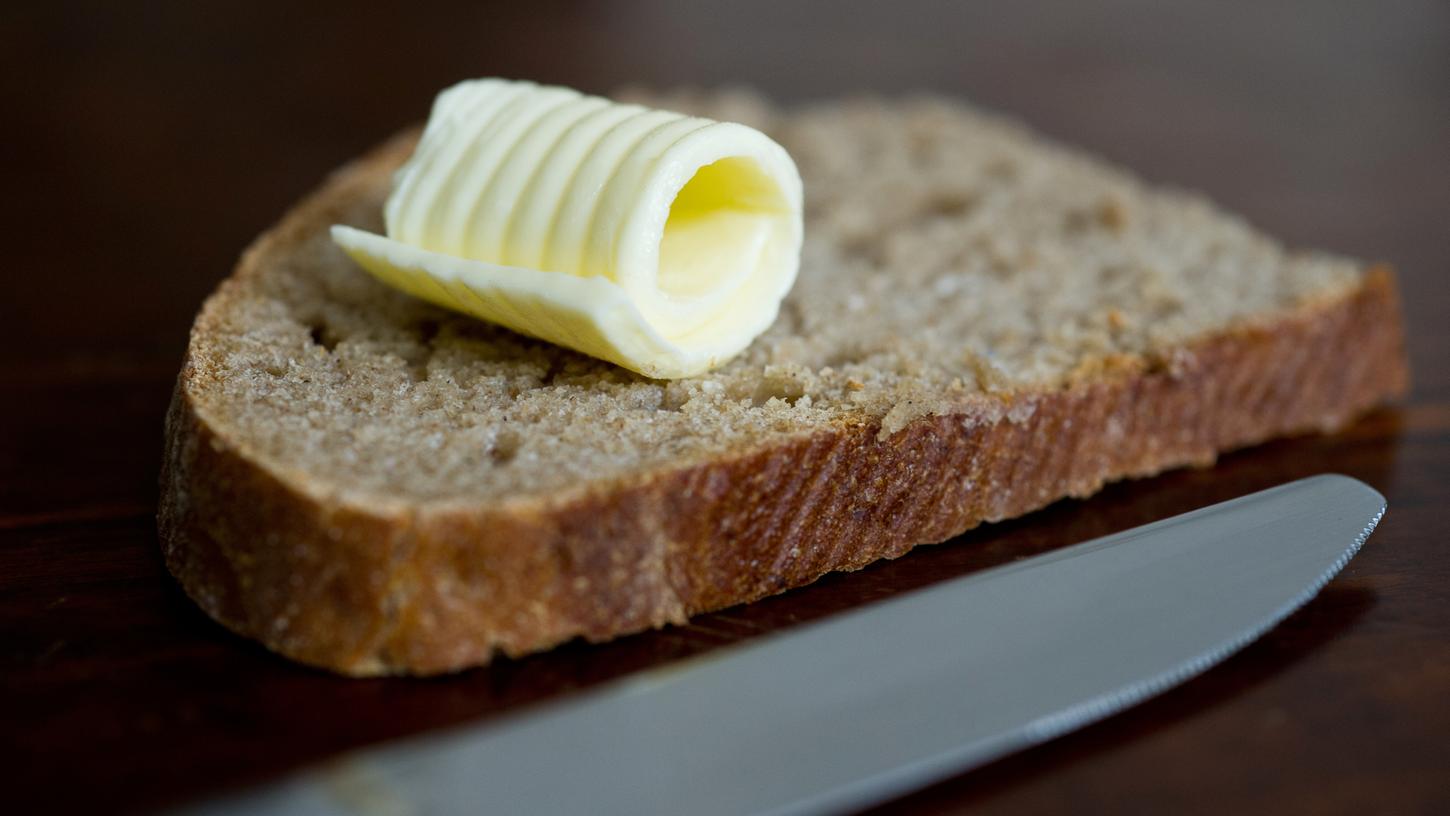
{"points": [[147, 143]]}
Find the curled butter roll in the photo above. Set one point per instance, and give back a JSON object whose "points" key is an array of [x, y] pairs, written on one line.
{"points": [[661, 242]]}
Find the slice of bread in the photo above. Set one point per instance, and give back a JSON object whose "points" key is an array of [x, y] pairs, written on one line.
{"points": [[984, 323]]}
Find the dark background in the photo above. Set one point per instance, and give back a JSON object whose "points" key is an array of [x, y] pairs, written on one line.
{"points": [[146, 143]]}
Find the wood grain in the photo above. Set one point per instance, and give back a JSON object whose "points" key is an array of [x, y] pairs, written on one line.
{"points": [[147, 146]]}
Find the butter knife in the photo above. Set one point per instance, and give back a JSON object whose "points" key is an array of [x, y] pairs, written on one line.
{"points": [[876, 702]]}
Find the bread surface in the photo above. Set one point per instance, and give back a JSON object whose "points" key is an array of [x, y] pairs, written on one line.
{"points": [[984, 323]]}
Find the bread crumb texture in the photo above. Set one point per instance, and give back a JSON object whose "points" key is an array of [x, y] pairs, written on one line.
{"points": [[953, 262]]}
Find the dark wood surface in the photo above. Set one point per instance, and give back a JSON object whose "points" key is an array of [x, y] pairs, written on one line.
{"points": [[146, 143]]}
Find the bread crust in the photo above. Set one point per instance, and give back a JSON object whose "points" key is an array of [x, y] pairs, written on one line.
{"points": [[366, 588]]}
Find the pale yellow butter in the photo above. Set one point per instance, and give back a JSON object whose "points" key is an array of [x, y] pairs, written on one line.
{"points": [[658, 241]]}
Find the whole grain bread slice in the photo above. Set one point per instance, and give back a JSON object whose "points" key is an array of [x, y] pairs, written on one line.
{"points": [[984, 323]]}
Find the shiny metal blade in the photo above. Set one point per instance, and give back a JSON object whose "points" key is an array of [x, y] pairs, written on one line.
{"points": [[893, 696]]}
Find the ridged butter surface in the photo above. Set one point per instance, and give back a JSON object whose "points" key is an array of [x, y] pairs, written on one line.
{"points": [[658, 241]]}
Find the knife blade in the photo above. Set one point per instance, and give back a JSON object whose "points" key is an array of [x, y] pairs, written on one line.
{"points": [[870, 704]]}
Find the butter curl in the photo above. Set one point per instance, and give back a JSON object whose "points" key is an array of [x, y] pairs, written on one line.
{"points": [[658, 241]]}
